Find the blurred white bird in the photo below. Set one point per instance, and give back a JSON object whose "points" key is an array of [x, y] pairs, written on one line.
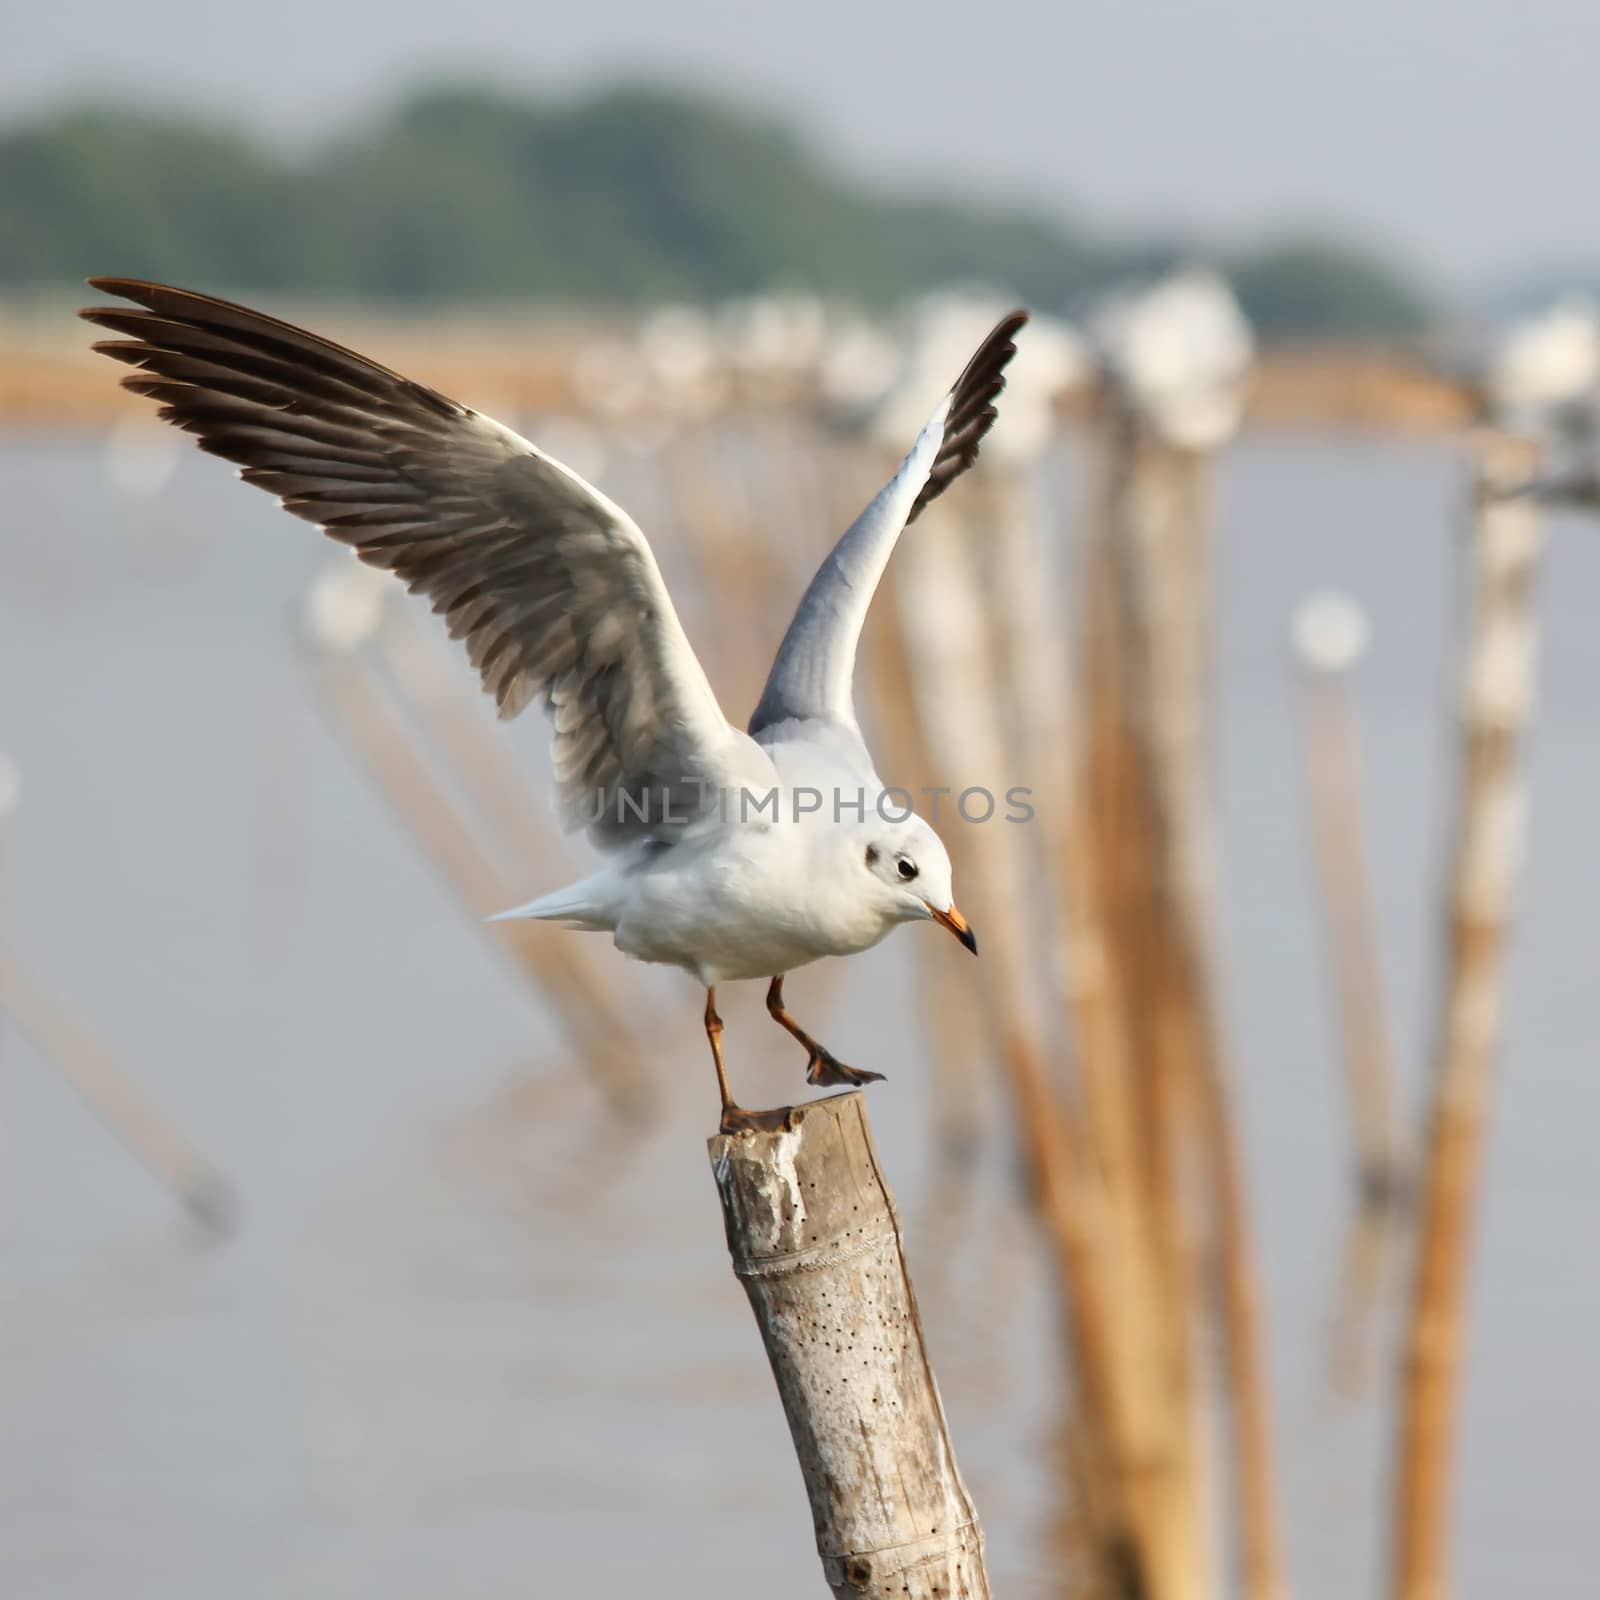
{"points": [[1179, 354], [1543, 381], [1542, 377], [730, 855]]}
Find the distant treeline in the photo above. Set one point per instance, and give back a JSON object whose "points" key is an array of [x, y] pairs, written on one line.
{"points": [[624, 196]]}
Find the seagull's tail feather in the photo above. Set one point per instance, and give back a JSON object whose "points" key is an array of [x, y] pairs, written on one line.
{"points": [[576, 906]]}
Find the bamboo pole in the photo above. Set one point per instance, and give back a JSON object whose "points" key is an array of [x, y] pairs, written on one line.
{"points": [[116, 1098], [1124, 1481], [815, 1239], [1151, 1339], [1329, 638], [1371, 1238], [1093, 978], [1497, 690], [1162, 650], [1043, 743], [1138, 1089]]}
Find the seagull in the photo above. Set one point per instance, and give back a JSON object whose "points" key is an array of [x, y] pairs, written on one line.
{"points": [[730, 855], [1178, 353]]}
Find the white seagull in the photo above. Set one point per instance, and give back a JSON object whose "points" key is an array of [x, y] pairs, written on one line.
{"points": [[730, 855]]}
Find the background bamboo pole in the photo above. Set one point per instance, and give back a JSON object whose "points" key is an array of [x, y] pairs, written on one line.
{"points": [[1139, 1544], [112, 1093], [1147, 650], [815, 1240], [1497, 690], [1161, 1444], [1162, 638], [1329, 638], [1142, 1097]]}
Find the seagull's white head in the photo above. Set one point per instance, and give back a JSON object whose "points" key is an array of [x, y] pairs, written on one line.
{"points": [[909, 872]]}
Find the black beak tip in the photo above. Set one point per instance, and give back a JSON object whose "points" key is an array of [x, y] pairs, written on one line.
{"points": [[970, 940]]}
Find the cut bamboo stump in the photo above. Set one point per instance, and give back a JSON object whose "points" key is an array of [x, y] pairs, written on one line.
{"points": [[815, 1239]]}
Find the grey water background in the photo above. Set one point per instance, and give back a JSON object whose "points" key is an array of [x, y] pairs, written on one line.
{"points": [[469, 1336]]}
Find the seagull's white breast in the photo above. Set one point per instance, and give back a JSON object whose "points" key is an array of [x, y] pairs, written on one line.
{"points": [[756, 899]]}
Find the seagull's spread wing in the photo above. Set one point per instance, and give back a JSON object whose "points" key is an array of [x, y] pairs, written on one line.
{"points": [[553, 588], [812, 674]]}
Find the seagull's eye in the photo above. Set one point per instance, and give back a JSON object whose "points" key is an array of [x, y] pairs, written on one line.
{"points": [[907, 868]]}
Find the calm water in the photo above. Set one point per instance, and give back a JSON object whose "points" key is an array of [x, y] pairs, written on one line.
{"points": [[470, 1338]]}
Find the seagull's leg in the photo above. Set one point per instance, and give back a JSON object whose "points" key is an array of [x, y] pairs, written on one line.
{"points": [[714, 1034], [823, 1067], [735, 1119]]}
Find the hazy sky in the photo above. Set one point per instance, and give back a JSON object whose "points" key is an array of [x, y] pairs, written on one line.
{"points": [[1463, 132]]}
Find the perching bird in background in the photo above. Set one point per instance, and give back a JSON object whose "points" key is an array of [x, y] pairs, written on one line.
{"points": [[717, 859], [1542, 380]]}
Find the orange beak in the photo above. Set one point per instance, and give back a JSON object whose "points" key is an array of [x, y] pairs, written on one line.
{"points": [[958, 925]]}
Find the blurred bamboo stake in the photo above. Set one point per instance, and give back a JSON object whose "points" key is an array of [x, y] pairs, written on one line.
{"points": [[1030, 672], [1158, 501], [1141, 1108], [815, 1240], [589, 1013], [1329, 637], [1497, 689], [114, 1096], [1032, 665], [1194, 942], [1369, 1243], [1122, 1483]]}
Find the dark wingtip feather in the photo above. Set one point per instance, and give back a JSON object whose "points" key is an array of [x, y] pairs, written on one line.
{"points": [[972, 410], [123, 288], [140, 290]]}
